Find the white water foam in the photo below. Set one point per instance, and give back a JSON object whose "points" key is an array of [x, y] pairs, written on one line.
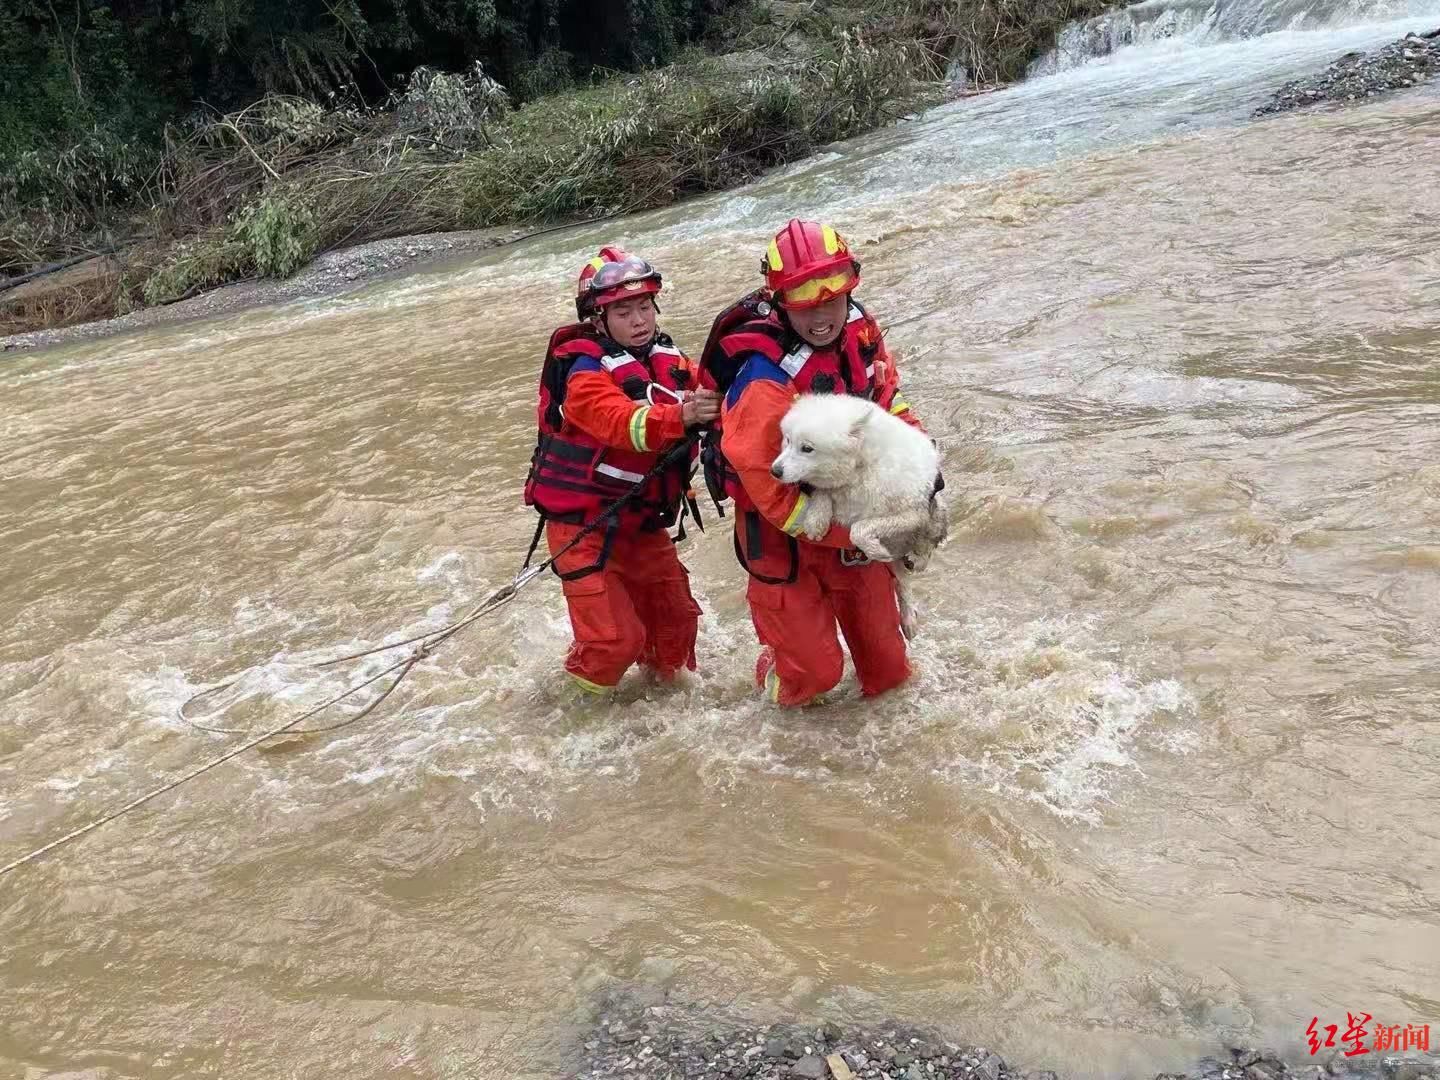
{"points": [[1185, 24], [1040, 711], [448, 569], [65, 785]]}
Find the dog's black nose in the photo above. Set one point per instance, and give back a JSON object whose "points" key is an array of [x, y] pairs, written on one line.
{"points": [[775, 471]]}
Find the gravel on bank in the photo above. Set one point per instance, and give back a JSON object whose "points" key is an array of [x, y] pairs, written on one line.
{"points": [[649, 1038], [1358, 76], [328, 274]]}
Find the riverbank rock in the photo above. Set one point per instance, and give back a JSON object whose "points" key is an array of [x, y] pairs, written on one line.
{"points": [[330, 273], [1362, 76], [642, 1040], [671, 1042]]}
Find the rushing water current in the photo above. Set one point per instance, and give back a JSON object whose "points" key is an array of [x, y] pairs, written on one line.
{"points": [[1168, 773]]}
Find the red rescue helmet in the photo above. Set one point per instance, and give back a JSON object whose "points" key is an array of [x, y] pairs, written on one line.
{"points": [[808, 263], [583, 304], [614, 275]]}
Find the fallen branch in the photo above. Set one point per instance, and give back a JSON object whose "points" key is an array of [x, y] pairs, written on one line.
{"points": [[53, 268]]}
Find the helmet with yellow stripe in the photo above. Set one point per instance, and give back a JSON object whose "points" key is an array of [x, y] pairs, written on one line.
{"points": [[808, 264]]}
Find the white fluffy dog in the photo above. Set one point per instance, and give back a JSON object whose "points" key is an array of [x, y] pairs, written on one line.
{"points": [[872, 472]]}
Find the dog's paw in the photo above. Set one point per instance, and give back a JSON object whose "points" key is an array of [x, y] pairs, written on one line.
{"points": [[916, 561], [875, 551], [815, 518], [870, 544], [909, 618]]}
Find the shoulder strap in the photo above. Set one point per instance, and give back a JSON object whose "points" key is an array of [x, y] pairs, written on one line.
{"points": [[744, 326], [567, 344]]}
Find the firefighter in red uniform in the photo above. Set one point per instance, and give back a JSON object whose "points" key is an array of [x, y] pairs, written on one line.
{"points": [[805, 334], [615, 397]]}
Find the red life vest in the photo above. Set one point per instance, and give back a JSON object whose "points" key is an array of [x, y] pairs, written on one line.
{"points": [[575, 478], [846, 366]]}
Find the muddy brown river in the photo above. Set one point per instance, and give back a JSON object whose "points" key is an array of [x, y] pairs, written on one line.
{"points": [[1168, 773]]}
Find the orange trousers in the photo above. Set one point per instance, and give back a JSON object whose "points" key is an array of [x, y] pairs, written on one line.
{"points": [[636, 609], [797, 623]]}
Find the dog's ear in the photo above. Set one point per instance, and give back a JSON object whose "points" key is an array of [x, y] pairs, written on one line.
{"points": [[858, 424]]}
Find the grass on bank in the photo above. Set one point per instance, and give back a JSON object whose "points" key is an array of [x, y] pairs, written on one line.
{"points": [[259, 192]]}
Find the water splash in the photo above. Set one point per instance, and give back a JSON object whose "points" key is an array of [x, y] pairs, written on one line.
{"points": [[1187, 23]]}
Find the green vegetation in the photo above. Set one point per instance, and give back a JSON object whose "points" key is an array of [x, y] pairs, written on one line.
{"points": [[93, 93], [513, 112]]}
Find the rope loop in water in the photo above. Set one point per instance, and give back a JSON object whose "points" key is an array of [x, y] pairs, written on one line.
{"points": [[425, 646]]}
